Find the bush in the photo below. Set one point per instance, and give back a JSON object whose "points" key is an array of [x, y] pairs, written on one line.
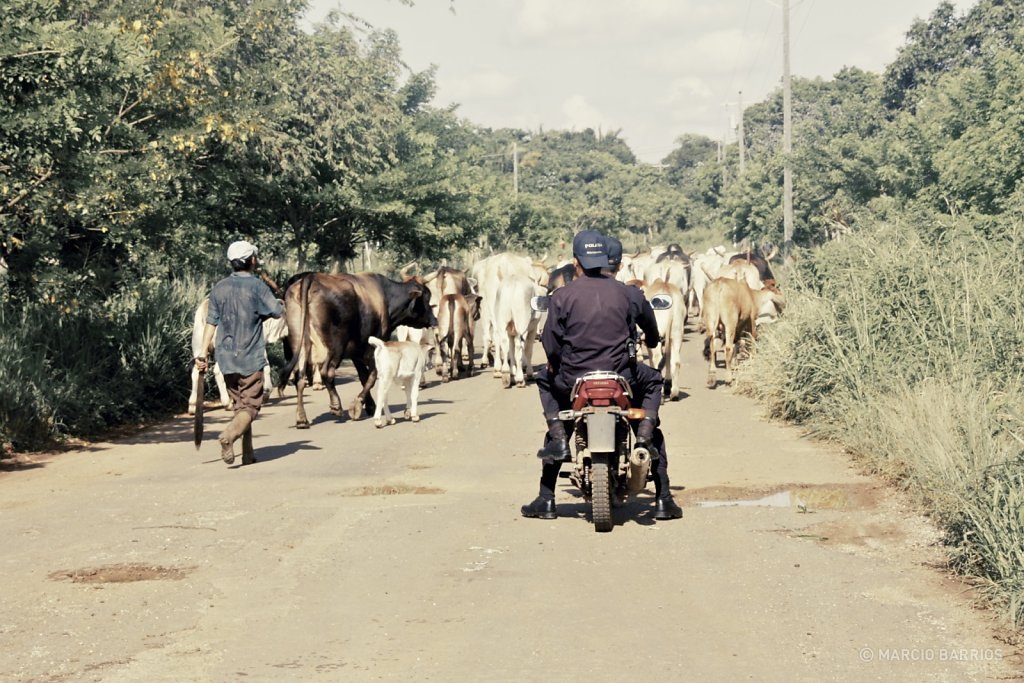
{"points": [[76, 370]]}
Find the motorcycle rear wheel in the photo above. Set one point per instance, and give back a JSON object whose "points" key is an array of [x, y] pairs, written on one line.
{"points": [[601, 501]]}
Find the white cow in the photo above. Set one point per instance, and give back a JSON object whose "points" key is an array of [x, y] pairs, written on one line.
{"points": [[516, 328], [668, 355], [744, 272], [274, 330], [705, 268], [489, 274]]}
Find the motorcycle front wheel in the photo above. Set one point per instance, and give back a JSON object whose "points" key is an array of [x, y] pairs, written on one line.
{"points": [[601, 500]]}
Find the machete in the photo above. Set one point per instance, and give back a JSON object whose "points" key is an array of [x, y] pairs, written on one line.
{"points": [[197, 425]]}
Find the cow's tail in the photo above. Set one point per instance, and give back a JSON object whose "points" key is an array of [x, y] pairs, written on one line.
{"points": [[300, 357], [376, 342], [453, 323]]}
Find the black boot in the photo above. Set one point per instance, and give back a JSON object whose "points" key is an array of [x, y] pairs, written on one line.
{"points": [[541, 507], [666, 508], [556, 448]]}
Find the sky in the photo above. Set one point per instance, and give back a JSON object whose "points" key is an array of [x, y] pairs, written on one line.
{"points": [[651, 70]]}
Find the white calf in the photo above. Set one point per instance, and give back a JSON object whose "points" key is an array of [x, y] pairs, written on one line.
{"points": [[401, 361], [426, 337]]}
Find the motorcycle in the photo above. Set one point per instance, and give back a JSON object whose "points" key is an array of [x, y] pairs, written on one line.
{"points": [[608, 465]]}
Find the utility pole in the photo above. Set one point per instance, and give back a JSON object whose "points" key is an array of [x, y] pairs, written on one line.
{"points": [[787, 138], [515, 169], [739, 135]]}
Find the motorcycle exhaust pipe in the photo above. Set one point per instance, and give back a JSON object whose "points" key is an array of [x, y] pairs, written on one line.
{"points": [[639, 466]]}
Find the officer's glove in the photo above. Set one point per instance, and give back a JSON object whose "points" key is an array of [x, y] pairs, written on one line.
{"points": [[645, 434]]}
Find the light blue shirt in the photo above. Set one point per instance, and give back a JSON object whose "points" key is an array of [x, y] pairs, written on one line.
{"points": [[238, 306]]}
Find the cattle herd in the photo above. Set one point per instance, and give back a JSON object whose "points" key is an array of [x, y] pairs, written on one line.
{"points": [[432, 320]]}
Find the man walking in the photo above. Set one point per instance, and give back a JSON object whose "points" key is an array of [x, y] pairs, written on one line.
{"points": [[238, 306]]}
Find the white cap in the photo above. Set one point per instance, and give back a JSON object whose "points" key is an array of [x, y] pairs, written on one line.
{"points": [[241, 250]]}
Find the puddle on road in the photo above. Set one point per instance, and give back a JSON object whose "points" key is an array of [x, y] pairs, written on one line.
{"points": [[804, 497], [783, 499]]}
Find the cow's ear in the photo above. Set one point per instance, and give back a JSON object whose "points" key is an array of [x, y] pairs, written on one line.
{"points": [[415, 293]]}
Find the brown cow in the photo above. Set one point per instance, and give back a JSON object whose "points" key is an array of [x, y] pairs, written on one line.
{"points": [[456, 316], [730, 308], [331, 317]]}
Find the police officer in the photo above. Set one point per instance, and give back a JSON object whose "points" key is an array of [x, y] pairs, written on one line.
{"points": [[642, 315], [238, 306], [588, 328]]}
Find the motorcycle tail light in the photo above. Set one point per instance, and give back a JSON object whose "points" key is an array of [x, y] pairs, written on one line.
{"points": [[636, 414]]}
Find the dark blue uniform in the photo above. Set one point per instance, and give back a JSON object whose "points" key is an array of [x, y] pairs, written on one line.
{"points": [[590, 321]]}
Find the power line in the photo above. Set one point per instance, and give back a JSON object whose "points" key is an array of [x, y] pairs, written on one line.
{"points": [[767, 27], [746, 17], [806, 17]]}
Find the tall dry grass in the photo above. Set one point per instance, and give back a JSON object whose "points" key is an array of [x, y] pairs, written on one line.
{"points": [[905, 343]]}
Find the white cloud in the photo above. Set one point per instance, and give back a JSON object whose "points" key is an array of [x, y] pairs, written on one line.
{"points": [[599, 21], [488, 83], [580, 114], [720, 52], [685, 89]]}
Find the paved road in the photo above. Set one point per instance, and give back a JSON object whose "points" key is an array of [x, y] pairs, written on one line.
{"points": [[351, 553]]}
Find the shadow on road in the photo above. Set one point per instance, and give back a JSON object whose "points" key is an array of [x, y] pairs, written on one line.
{"points": [[268, 453], [19, 464], [634, 511]]}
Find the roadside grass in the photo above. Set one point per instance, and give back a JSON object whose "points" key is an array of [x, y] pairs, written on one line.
{"points": [[77, 370], [905, 343]]}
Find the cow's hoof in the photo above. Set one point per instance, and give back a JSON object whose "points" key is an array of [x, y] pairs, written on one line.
{"points": [[355, 411], [337, 411], [379, 423], [521, 384], [445, 379], [712, 382], [304, 424], [192, 411], [415, 418], [506, 379], [439, 371]]}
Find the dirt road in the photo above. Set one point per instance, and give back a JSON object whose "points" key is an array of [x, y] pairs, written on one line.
{"points": [[351, 553]]}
